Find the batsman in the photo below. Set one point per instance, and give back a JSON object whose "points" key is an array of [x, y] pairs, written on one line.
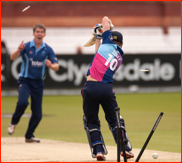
{"points": [[98, 89]]}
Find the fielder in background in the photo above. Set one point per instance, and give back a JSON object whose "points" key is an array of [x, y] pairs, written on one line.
{"points": [[98, 89], [36, 55]]}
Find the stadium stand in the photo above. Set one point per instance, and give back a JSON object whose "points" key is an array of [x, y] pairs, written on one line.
{"points": [[66, 40]]}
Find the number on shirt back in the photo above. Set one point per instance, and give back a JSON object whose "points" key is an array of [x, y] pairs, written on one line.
{"points": [[113, 63]]}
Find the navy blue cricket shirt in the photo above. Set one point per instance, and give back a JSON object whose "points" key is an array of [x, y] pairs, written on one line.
{"points": [[33, 60]]}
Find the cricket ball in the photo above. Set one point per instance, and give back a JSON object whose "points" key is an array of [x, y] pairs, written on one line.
{"points": [[155, 155]]}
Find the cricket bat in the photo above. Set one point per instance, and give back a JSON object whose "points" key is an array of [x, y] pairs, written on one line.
{"points": [[91, 41]]}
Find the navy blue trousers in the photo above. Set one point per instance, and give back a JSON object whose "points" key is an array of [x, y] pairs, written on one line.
{"points": [[34, 89], [95, 93]]}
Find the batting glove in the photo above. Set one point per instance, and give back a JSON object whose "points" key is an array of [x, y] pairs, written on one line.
{"points": [[97, 30], [111, 25]]}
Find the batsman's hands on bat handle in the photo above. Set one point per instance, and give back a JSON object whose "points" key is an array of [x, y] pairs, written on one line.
{"points": [[97, 31], [21, 46]]}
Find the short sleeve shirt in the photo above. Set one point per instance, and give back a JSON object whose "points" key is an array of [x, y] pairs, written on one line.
{"points": [[33, 60], [107, 60]]}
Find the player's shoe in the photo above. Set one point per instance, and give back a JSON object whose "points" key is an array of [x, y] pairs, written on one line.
{"points": [[32, 140], [11, 129], [100, 156], [129, 154]]}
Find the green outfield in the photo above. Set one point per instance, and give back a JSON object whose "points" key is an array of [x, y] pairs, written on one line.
{"points": [[63, 119]]}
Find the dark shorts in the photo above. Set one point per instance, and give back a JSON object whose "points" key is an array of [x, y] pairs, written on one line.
{"points": [[95, 93]]}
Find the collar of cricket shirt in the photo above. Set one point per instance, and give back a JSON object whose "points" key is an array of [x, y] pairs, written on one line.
{"points": [[32, 43], [119, 49]]}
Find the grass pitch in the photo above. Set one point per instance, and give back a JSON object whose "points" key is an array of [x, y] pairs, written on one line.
{"points": [[63, 119]]}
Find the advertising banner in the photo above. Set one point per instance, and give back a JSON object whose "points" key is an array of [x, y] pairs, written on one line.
{"points": [[164, 70]]}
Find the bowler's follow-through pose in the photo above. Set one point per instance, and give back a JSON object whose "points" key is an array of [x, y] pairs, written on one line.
{"points": [[36, 55], [98, 89]]}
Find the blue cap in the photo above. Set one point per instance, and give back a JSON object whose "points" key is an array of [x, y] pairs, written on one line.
{"points": [[117, 36]]}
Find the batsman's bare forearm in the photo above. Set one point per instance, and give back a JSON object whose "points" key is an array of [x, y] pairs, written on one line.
{"points": [[97, 44], [106, 23], [15, 54], [54, 67]]}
